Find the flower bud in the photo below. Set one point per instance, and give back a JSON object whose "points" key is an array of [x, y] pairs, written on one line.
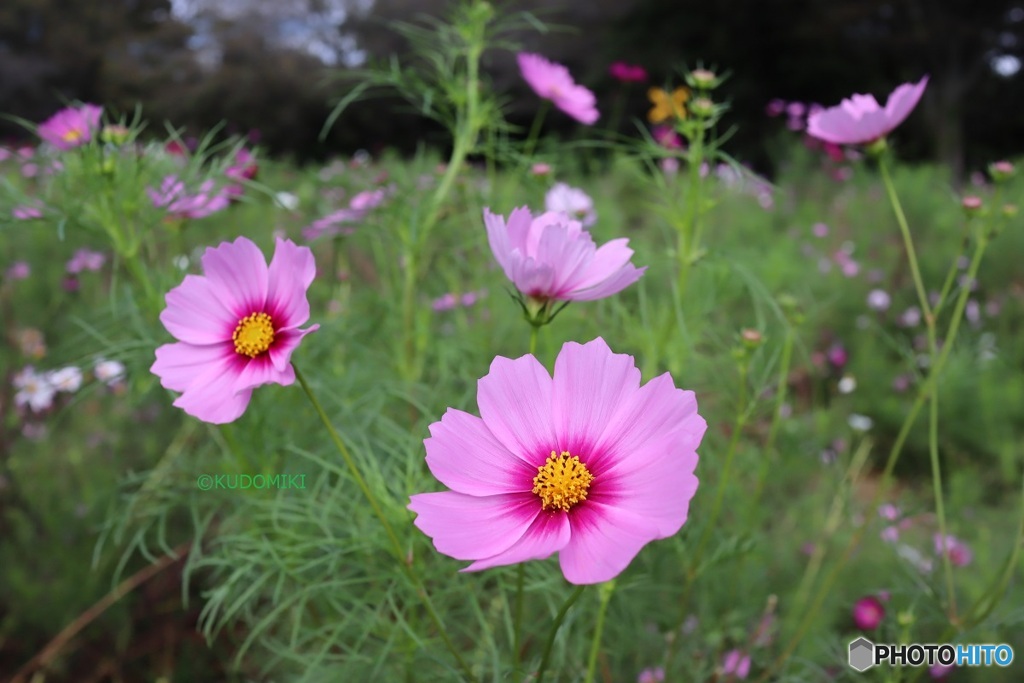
{"points": [[1001, 171], [702, 79]]}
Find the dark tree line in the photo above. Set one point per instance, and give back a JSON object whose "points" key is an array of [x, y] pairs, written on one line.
{"points": [[197, 74]]}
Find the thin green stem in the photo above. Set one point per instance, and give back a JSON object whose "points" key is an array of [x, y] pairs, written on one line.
{"points": [[555, 625], [940, 510], [606, 591], [534, 134], [781, 387], [908, 242], [518, 625], [689, 234], [388, 529], [923, 394], [533, 339]]}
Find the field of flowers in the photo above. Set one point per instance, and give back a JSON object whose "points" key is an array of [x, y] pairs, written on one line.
{"points": [[598, 409]]}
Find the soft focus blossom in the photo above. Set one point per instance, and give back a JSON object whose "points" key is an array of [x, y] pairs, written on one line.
{"points": [[860, 423], [174, 197], [236, 325], [71, 127], [243, 166], [68, 379], [736, 664], [960, 554], [19, 270], [878, 300], [627, 73], [31, 342], [667, 106], [85, 259], [587, 464], [651, 675], [847, 384], [860, 119], [286, 200], [540, 169], [667, 137], [33, 390], [910, 317], [358, 207], [888, 511], [572, 201], [26, 213], [552, 257], [108, 371], [938, 672], [890, 534], [819, 230], [554, 82], [868, 613], [775, 107], [837, 356]]}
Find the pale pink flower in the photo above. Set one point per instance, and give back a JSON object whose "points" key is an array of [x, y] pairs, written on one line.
{"points": [[237, 326], [552, 257], [358, 207], [26, 213], [736, 664], [960, 554], [109, 372], [68, 379], [860, 119], [34, 390], [19, 270], [572, 201], [868, 613], [554, 82], [651, 675], [85, 259], [540, 169], [878, 300], [587, 464], [71, 127], [179, 203]]}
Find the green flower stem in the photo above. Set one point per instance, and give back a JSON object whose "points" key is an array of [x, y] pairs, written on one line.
{"points": [[534, 134], [555, 625], [908, 242], [689, 234], [517, 642], [781, 386], [388, 529], [533, 339], [606, 591], [923, 394]]}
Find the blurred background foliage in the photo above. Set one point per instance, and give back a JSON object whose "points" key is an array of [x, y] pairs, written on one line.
{"points": [[274, 67]]}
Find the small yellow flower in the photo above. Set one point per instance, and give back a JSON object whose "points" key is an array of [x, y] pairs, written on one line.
{"points": [[667, 106]]}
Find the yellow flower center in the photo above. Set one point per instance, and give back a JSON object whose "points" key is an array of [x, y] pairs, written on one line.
{"points": [[72, 135], [562, 481], [253, 335]]}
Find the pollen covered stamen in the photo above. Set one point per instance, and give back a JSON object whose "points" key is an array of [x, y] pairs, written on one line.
{"points": [[253, 335], [562, 481], [72, 135]]}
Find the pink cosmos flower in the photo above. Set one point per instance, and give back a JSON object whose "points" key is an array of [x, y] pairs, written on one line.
{"points": [[627, 73], [736, 664], [71, 127], [860, 119], [358, 207], [19, 270], [237, 326], [26, 213], [868, 613], [180, 204], [651, 675], [552, 257], [554, 82], [960, 554], [573, 201], [85, 259], [587, 464]]}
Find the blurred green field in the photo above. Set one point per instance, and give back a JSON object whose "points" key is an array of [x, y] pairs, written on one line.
{"points": [[299, 585]]}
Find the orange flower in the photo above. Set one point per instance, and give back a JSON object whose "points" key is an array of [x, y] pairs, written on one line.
{"points": [[667, 106]]}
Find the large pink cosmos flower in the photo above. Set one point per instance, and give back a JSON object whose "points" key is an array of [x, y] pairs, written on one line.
{"points": [[860, 119], [554, 82], [552, 257], [587, 464], [237, 326], [71, 127]]}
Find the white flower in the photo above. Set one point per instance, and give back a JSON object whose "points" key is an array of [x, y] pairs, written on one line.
{"points": [[34, 390], [860, 423], [847, 384], [67, 379], [573, 201], [286, 200], [108, 371], [878, 300]]}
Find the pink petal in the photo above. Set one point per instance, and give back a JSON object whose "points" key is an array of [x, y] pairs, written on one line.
{"points": [[179, 365], [515, 404], [285, 342], [291, 272], [464, 456], [238, 274], [903, 100], [547, 535], [589, 386], [498, 237], [260, 370], [195, 313], [212, 396], [604, 541], [474, 527], [608, 260], [613, 285]]}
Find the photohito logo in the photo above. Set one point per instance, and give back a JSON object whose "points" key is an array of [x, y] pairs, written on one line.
{"points": [[864, 654]]}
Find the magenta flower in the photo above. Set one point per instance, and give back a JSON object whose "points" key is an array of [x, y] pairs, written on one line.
{"points": [[358, 207], [554, 82], [237, 326], [736, 664], [627, 73], [587, 464], [26, 213], [960, 554], [552, 257], [85, 259], [181, 204], [71, 127], [868, 613], [860, 119]]}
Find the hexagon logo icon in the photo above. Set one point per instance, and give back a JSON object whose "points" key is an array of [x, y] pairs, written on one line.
{"points": [[862, 654]]}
